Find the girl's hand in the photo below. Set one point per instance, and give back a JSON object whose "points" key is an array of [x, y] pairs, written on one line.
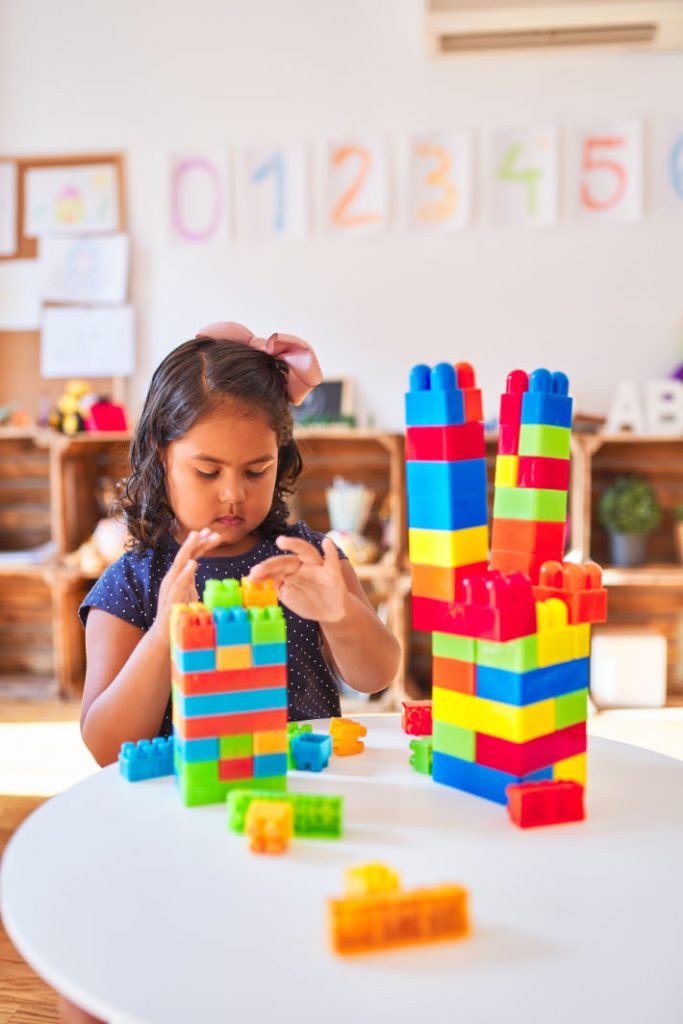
{"points": [[309, 584], [178, 585]]}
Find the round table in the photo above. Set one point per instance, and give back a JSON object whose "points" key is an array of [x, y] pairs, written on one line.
{"points": [[142, 910]]}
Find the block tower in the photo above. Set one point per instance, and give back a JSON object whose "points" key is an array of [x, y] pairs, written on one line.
{"points": [[510, 642], [229, 686]]}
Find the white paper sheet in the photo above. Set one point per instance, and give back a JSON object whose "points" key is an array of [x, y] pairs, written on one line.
{"points": [[71, 200], [277, 192], [19, 295], [91, 269], [200, 208], [357, 187], [524, 179], [608, 173], [8, 208], [80, 342], [441, 170]]}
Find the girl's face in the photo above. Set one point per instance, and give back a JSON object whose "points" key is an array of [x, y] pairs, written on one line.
{"points": [[221, 474]]}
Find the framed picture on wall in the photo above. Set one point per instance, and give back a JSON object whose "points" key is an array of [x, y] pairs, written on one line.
{"points": [[330, 402]]}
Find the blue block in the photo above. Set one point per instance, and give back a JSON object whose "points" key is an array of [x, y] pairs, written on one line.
{"points": [[478, 779], [233, 626], [192, 751], [547, 401], [311, 751], [204, 705], [196, 661], [269, 654], [447, 495], [147, 759], [434, 398], [520, 688], [268, 765]]}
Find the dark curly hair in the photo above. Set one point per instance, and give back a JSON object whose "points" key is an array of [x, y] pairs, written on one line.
{"points": [[191, 382]]}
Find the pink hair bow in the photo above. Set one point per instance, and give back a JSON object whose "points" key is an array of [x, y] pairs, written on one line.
{"points": [[303, 367]]}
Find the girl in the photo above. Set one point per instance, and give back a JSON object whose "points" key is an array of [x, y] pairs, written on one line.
{"points": [[213, 459]]}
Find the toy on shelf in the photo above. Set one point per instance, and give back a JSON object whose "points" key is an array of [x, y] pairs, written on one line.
{"points": [[545, 803], [311, 751], [229, 690], [345, 735], [70, 415], [416, 717], [510, 637], [314, 817], [146, 759], [268, 824], [375, 913]]}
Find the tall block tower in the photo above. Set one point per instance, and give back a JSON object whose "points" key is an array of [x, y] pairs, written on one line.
{"points": [[229, 690], [510, 638]]}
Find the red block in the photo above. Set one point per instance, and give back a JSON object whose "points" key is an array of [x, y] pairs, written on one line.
{"points": [[539, 471], [230, 725], [524, 758], [263, 677], [451, 674], [579, 586], [545, 803], [465, 377], [511, 402], [508, 438], [195, 631], [446, 444], [494, 607], [545, 539], [106, 416], [416, 717], [518, 561], [236, 768]]}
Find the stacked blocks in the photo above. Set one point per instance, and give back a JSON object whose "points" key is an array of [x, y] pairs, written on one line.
{"points": [[511, 644], [229, 688], [446, 482]]}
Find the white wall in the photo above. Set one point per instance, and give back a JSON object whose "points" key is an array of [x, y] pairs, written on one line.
{"points": [[153, 77]]}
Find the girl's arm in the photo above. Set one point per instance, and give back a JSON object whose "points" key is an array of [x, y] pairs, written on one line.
{"points": [[128, 676]]}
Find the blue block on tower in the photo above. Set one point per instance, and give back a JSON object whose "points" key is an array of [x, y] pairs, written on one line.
{"points": [[479, 780], [233, 626], [209, 704], [192, 751], [547, 401], [521, 688], [268, 765], [434, 398], [196, 661], [446, 495], [269, 654]]}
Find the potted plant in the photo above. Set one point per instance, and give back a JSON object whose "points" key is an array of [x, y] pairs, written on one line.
{"points": [[678, 530], [629, 510]]}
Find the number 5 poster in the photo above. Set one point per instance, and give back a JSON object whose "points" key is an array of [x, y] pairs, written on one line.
{"points": [[524, 177], [609, 173]]}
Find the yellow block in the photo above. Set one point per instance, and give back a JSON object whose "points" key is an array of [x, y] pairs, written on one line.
{"points": [[572, 769], [506, 721], [273, 742], [507, 470], [556, 639], [448, 548], [370, 880], [236, 656], [582, 639]]}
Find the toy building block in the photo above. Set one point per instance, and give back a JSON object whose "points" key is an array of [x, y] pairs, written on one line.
{"points": [[311, 751], [440, 583], [233, 626], [389, 919], [571, 769], [556, 638], [450, 674], [542, 538], [222, 594], [537, 439], [547, 400], [451, 739], [421, 756], [545, 803], [146, 759], [268, 625], [230, 725], [528, 687], [416, 717], [548, 474], [370, 880], [345, 735], [525, 562], [525, 758], [295, 729], [314, 817], [478, 779], [446, 443], [258, 593], [495, 718], [434, 398], [571, 708], [194, 628], [530, 503], [466, 380], [269, 826], [446, 495], [578, 586], [448, 548], [510, 416], [491, 606], [507, 470], [264, 677]]}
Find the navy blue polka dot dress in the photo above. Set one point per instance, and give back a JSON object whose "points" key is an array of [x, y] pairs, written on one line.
{"points": [[129, 589]]}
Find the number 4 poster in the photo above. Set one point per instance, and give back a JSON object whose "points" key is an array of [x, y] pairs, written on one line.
{"points": [[524, 183], [608, 184]]}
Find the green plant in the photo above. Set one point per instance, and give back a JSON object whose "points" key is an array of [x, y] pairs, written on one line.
{"points": [[678, 513], [629, 505]]}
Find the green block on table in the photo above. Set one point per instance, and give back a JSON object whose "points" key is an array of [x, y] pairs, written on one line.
{"points": [[531, 504], [295, 729], [519, 655], [222, 594], [230, 747], [421, 758], [571, 708], [268, 625], [197, 773], [452, 739], [541, 439], [196, 794], [460, 648], [315, 817]]}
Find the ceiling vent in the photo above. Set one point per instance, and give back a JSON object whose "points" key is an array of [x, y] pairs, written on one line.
{"points": [[495, 26]]}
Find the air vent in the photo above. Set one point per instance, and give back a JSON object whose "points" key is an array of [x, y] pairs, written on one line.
{"points": [[541, 38]]}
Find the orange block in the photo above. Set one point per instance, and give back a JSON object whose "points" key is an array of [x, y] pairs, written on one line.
{"points": [[258, 593], [542, 538], [451, 674], [275, 741], [438, 582], [269, 825]]}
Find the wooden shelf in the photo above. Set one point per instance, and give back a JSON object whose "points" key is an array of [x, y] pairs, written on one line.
{"points": [[644, 576]]}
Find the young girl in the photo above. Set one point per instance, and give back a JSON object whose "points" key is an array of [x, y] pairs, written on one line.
{"points": [[213, 459]]}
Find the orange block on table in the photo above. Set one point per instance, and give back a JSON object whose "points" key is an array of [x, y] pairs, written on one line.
{"points": [[346, 735], [269, 824]]}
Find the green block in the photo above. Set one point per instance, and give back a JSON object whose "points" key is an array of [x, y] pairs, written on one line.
{"points": [[520, 655], [230, 747], [448, 645], [421, 758], [315, 817], [295, 729], [222, 594], [197, 795], [199, 773], [571, 708], [530, 503], [268, 625], [541, 439], [451, 739]]}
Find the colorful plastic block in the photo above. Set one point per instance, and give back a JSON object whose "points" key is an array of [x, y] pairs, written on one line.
{"points": [[265, 677], [345, 735], [434, 398], [520, 655], [522, 688], [556, 639], [452, 739], [197, 750], [233, 627], [530, 503], [493, 607], [446, 443], [447, 645], [233, 746], [146, 759], [193, 628], [314, 817], [236, 769], [507, 721], [311, 751], [549, 442], [247, 701], [222, 594], [466, 380], [527, 563], [545, 803], [571, 708], [416, 717], [269, 654], [237, 656], [507, 470], [450, 674], [268, 765], [446, 495], [295, 729], [421, 756], [448, 548], [516, 384], [268, 625], [229, 725], [578, 586], [195, 660], [269, 826], [258, 593], [274, 742], [524, 758], [546, 474], [440, 582], [571, 769], [542, 538], [477, 779], [370, 880], [547, 400]]}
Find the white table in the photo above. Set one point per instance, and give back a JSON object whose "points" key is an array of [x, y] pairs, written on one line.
{"points": [[142, 910]]}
